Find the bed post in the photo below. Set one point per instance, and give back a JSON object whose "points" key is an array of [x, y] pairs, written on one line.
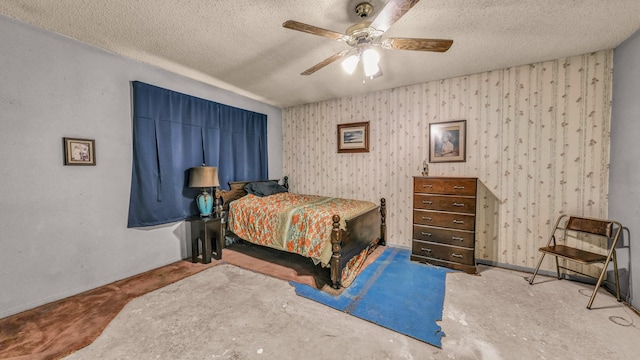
{"points": [[383, 221], [336, 241]]}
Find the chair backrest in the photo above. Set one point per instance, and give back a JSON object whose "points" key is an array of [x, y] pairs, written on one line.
{"points": [[592, 226]]}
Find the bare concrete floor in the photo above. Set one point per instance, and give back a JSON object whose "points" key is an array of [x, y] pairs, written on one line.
{"points": [[229, 313]]}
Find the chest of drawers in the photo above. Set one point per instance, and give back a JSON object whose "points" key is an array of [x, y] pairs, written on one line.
{"points": [[444, 222]]}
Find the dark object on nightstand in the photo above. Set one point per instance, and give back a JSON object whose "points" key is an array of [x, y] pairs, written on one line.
{"points": [[208, 231]]}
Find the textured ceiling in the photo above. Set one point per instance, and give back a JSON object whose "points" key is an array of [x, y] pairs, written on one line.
{"points": [[241, 46]]}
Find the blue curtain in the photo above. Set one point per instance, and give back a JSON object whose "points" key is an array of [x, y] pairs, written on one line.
{"points": [[173, 132]]}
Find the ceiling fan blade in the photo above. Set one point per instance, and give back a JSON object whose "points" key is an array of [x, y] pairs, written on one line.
{"points": [[437, 45], [391, 13], [324, 62], [310, 29]]}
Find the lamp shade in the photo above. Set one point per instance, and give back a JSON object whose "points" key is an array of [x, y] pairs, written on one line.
{"points": [[203, 177]]}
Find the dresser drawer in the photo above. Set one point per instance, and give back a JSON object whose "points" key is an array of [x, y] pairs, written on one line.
{"points": [[469, 269], [447, 220], [448, 186], [443, 252], [444, 236], [445, 203]]}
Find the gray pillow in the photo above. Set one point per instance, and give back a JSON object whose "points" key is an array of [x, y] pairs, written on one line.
{"points": [[264, 188]]}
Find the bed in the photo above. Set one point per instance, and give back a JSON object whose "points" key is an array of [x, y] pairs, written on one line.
{"points": [[337, 234]]}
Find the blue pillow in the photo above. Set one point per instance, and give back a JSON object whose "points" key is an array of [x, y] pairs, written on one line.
{"points": [[264, 188]]}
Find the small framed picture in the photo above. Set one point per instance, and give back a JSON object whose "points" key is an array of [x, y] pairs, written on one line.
{"points": [[448, 141], [353, 137], [79, 151]]}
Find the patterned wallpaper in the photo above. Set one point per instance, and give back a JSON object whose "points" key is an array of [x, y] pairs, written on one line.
{"points": [[538, 139]]}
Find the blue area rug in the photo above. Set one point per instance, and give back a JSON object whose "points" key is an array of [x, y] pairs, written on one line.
{"points": [[393, 292]]}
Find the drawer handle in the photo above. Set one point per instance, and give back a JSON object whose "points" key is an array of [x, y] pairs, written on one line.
{"points": [[459, 256], [458, 221], [458, 204], [458, 187], [426, 218], [425, 250], [457, 238], [427, 186], [427, 202], [425, 234]]}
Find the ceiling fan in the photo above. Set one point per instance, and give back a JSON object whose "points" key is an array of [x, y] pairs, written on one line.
{"points": [[365, 36]]}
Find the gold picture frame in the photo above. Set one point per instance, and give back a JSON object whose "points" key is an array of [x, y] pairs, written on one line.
{"points": [[79, 151], [353, 137], [448, 141]]}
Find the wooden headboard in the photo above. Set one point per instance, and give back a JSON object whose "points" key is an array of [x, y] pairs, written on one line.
{"points": [[236, 190]]}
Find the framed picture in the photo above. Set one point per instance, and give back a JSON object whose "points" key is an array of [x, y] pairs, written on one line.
{"points": [[448, 141], [79, 151], [353, 137]]}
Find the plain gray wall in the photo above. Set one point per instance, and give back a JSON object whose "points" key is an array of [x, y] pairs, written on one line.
{"points": [[63, 229], [624, 182]]}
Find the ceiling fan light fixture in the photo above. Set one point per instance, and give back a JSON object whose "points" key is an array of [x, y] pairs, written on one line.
{"points": [[370, 59], [376, 75], [371, 70], [370, 56], [349, 64]]}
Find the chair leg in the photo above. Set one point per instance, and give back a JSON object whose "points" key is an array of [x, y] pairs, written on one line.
{"points": [[537, 268], [595, 291], [558, 269], [600, 279], [615, 269]]}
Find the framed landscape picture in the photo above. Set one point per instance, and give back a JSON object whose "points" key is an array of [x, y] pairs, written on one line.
{"points": [[79, 151], [448, 141], [353, 137]]}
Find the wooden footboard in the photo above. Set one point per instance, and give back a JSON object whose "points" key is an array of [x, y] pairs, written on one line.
{"points": [[362, 231]]}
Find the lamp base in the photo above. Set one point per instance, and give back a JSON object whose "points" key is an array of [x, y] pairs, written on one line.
{"points": [[205, 204]]}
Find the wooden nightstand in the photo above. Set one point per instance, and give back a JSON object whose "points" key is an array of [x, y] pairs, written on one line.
{"points": [[208, 231]]}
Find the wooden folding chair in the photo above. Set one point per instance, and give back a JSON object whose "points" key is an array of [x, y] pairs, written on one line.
{"points": [[566, 224]]}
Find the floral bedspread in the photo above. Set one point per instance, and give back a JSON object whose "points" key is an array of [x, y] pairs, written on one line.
{"points": [[295, 223]]}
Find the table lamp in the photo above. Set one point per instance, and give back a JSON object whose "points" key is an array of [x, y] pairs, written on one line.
{"points": [[204, 177]]}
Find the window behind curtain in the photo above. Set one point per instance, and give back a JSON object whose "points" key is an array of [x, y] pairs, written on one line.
{"points": [[173, 132]]}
